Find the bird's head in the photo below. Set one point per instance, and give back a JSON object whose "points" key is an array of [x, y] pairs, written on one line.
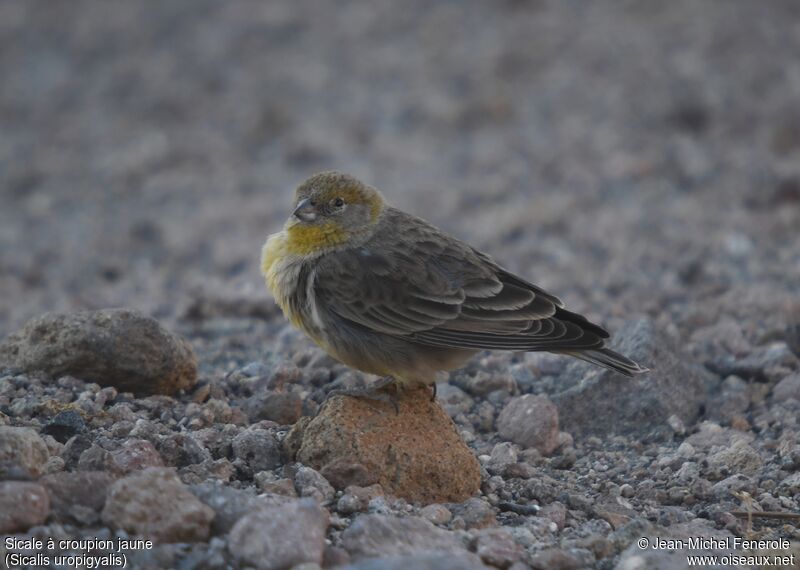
{"points": [[332, 209]]}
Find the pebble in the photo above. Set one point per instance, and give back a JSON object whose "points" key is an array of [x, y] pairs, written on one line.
{"points": [[79, 496], [437, 514], [280, 536], [386, 535], [24, 447], [357, 499], [310, 483], [496, 547], [255, 450], [22, 505], [156, 504], [530, 421]]}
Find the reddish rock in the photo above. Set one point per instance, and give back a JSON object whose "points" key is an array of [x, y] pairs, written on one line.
{"points": [[415, 453]]}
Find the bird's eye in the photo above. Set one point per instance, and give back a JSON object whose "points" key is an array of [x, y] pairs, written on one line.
{"points": [[338, 202]]}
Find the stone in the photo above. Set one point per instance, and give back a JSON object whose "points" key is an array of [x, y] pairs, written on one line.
{"points": [[530, 421], [122, 348], [556, 559], [280, 536], [474, 513], [416, 453], [134, 455], [77, 496], [496, 547], [283, 408], [154, 503], [356, 499], [64, 425], [433, 561], [23, 447], [593, 401], [230, 504], [739, 458], [309, 483], [437, 514], [787, 389], [385, 535], [22, 505], [256, 450]]}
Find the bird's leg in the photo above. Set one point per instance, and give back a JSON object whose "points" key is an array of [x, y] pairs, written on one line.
{"points": [[433, 392], [378, 392]]}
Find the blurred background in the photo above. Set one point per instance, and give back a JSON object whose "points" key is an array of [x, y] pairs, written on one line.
{"points": [[638, 158]]}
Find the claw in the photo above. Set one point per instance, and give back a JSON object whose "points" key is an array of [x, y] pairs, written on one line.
{"points": [[377, 393]]}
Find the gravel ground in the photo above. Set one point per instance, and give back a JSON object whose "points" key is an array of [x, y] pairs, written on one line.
{"points": [[639, 159]]}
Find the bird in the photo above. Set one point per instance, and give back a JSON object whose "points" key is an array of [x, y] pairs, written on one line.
{"points": [[387, 293]]}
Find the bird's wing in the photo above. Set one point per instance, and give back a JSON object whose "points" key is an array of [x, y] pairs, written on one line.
{"points": [[436, 290]]}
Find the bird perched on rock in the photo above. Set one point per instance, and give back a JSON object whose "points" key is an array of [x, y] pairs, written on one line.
{"points": [[387, 293]]}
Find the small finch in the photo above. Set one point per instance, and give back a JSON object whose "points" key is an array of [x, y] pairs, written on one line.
{"points": [[387, 293]]}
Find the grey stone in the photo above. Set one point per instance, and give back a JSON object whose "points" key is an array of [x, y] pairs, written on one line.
{"points": [[385, 535], [24, 447], [22, 505], [156, 504], [787, 389], [530, 421], [256, 450], [433, 561], [310, 483], [281, 536], [111, 347], [598, 402], [77, 496]]}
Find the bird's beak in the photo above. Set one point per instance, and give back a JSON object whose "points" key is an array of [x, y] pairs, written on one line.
{"points": [[305, 211]]}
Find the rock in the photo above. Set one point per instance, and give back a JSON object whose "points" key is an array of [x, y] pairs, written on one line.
{"points": [[496, 547], [280, 536], [154, 503], [256, 450], [791, 484], [385, 535], [22, 505], [309, 483], [556, 559], [787, 389], [437, 514], [78, 496], [231, 504], [283, 408], [459, 561], [111, 347], [730, 487], [134, 455], [474, 513], [356, 499], [64, 425], [531, 422], [416, 454], [23, 447], [600, 402], [636, 558], [739, 458]]}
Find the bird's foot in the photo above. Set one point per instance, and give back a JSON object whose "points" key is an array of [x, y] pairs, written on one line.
{"points": [[378, 392]]}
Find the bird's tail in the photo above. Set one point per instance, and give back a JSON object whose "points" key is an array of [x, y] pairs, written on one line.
{"points": [[607, 358]]}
